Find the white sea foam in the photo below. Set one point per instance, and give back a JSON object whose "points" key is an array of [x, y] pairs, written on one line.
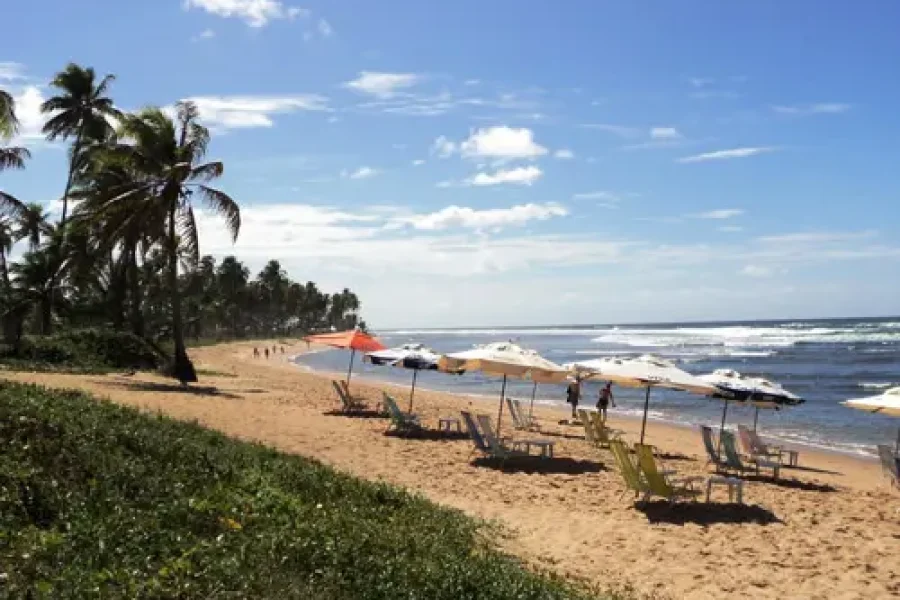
{"points": [[875, 385]]}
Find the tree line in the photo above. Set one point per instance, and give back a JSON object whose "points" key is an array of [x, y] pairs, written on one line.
{"points": [[125, 250]]}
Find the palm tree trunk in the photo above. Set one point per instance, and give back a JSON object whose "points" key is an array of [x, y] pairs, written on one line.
{"points": [[76, 148], [182, 368], [4, 271], [136, 315]]}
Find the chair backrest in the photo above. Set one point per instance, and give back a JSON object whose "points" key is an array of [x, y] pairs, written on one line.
{"points": [[732, 457], [514, 413], [472, 426], [655, 481], [527, 419], [888, 460], [487, 430], [601, 432], [629, 472], [340, 392], [392, 407], [588, 426], [711, 451], [343, 383], [747, 441]]}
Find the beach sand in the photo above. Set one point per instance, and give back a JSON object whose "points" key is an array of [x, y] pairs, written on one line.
{"points": [[829, 529]]}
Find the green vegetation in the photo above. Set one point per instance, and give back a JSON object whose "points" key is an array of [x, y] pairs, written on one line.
{"points": [[124, 254], [99, 500], [87, 350]]}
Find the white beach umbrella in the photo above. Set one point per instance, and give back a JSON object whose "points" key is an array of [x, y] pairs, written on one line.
{"points": [[761, 393], [416, 357], [643, 371], [504, 359], [887, 403]]}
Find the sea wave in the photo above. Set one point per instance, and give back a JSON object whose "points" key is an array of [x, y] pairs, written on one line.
{"points": [[875, 385]]}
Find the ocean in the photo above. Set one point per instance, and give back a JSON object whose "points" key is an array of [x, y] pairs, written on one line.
{"points": [[824, 361]]}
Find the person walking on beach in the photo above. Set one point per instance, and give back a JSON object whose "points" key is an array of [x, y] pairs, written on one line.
{"points": [[606, 398], [573, 394], [267, 352], [255, 352]]}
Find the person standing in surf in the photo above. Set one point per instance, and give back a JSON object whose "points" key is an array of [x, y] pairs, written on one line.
{"points": [[573, 394], [606, 398]]}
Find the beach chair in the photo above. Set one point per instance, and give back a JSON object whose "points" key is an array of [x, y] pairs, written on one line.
{"points": [[659, 483], [628, 470], [585, 419], [497, 448], [348, 403], [519, 420], [527, 420], [754, 446], [733, 458], [712, 453], [890, 464], [602, 433], [472, 427], [401, 422]]}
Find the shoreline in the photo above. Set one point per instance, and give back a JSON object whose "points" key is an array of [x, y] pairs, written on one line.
{"points": [[561, 407], [831, 524]]}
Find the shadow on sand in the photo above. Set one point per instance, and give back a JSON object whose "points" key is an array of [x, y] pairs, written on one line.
{"points": [[357, 414], [810, 470], [792, 484], [430, 435], [152, 386], [536, 464], [702, 513]]}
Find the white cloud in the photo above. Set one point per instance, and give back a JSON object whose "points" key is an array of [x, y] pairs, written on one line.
{"points": [[606, 199], [325, 29], [10, 71], [564, 154], [443, 146], [619, 130], [471, 82], [418, 162], [502, 143], [360, 173], [382, 85], [256, 13], [699, 82], [519, 176], [238, 112], [756, 271], [726, 154], [664, 133], [818, 237], [206, 34], [470, 218], [722, 213], [28, 111], [821, 108]]}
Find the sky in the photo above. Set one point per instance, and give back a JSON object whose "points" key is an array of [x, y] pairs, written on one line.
{"points": [[475, 163]]}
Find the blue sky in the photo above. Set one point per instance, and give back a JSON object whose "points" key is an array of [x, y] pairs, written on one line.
{"points": [[475, 163]]}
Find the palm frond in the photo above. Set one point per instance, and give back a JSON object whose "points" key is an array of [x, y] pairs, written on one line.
{"points": [[223, 205], [10, 206], [103, 86], [13, 158], [9, 125], [207, 172], [188, 236]]}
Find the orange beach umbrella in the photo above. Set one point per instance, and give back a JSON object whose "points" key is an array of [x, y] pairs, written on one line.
{"points": [[352, 340]]}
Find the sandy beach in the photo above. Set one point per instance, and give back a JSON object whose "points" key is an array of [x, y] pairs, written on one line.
{"points": [[828, 529]]}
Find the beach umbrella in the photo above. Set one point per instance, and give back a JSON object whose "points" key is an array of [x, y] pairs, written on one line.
{"points": [[887, 403], [415, 357], [504, 359], [352, 340], [761, 393], [645, 371]]}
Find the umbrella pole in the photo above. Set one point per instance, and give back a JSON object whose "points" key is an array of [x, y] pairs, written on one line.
{"points": [[412, 392], [350, 368], [534, 391], [646, 408], [722, 427], [500, 414], [755, 419]]}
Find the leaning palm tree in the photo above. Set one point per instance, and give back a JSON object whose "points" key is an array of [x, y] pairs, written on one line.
{"points": [[10, 157], [169, 154], [81, 110]]}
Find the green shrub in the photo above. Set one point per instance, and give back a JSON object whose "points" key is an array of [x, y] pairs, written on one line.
{"points": [[99, 500], [87, 349]]}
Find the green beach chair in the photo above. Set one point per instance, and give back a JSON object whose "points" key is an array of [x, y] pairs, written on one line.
{"points": [[497, 448], [603, 434], [628, 470], [712, 454], [349, 405], [588, 424], [890, 464], [401, 422], [733, 458]]}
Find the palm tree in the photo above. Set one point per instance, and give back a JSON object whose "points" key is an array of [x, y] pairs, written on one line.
{"points": [[169, 155], [81, 110], [6, 244], [32, 223], [10, 157]]}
